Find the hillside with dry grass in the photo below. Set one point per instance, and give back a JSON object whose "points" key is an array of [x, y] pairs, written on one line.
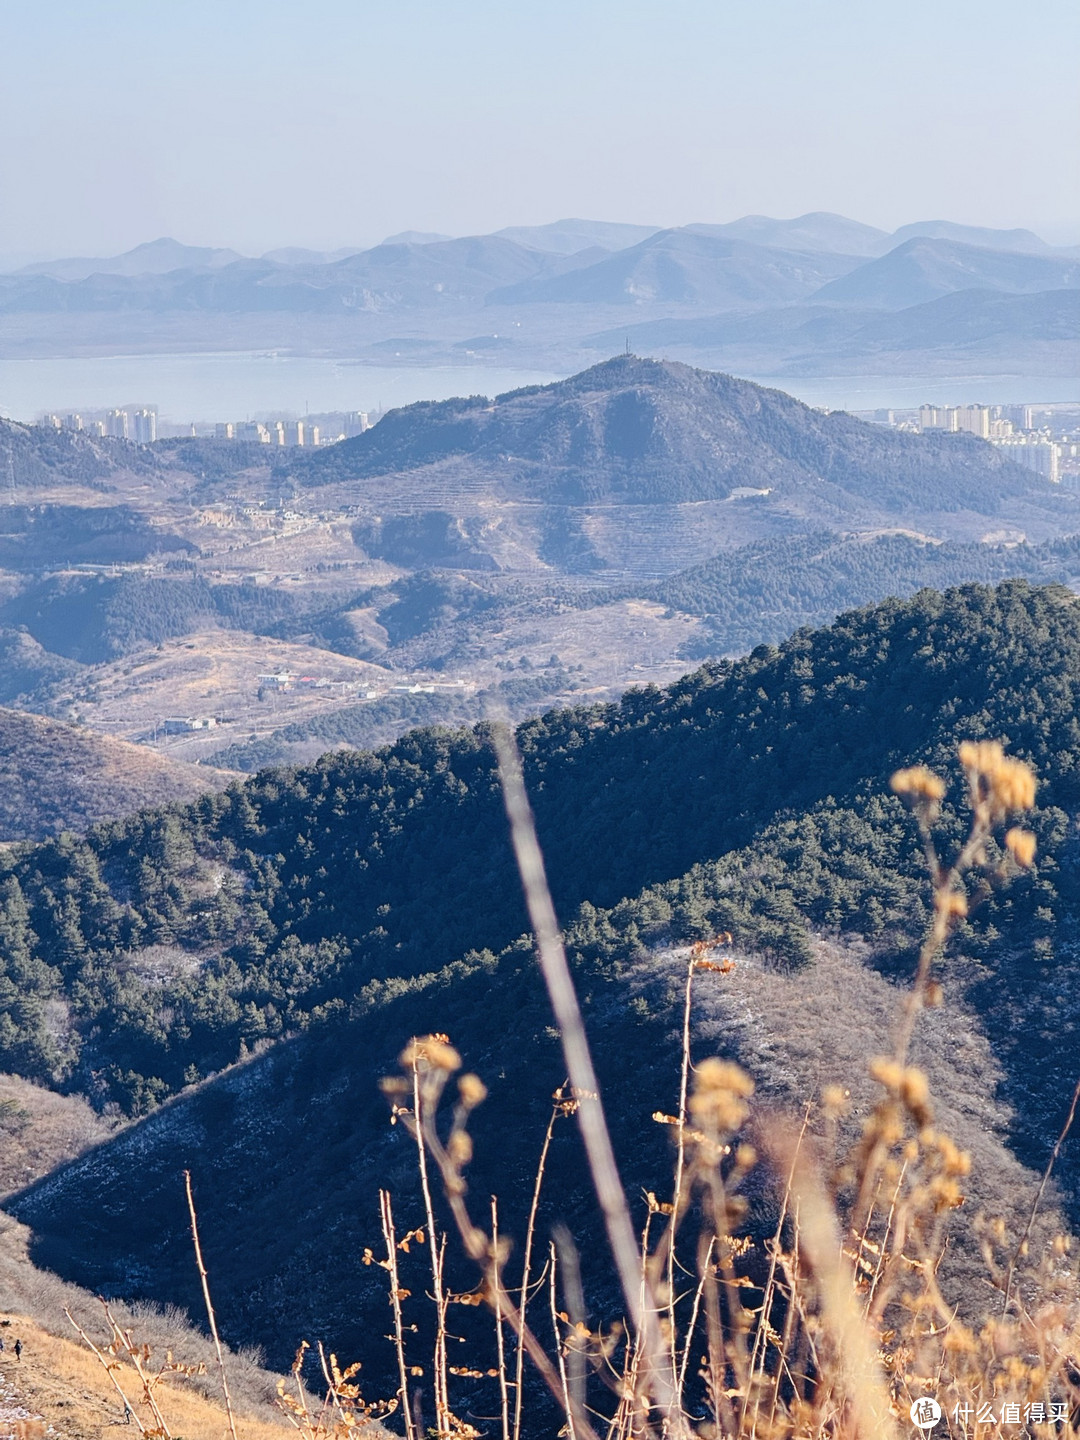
{"points": [[56, 776], [58, 1387]]}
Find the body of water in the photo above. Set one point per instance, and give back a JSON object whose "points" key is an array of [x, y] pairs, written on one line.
{"points": [[238, 385], [907, 392], [241, 385]]}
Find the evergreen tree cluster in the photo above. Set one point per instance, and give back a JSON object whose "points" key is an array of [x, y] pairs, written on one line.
{"points": [[751, 796]]}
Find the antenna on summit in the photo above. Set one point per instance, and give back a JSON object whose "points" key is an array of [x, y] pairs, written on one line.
{"points": [[627, 345]]}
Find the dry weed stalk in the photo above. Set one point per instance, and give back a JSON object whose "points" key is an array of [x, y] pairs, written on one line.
{"points": [[211, 1317], [111, 1366], [397, 1294], [343, 1413], [123, 1346]]}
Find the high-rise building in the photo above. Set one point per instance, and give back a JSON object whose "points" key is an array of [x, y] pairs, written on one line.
{"points": [[279, 432], [1035, 452], [936, 417], [1020, 415], [974, 420], [145, 427], [73, 422], [225, 431], [118, 424]]}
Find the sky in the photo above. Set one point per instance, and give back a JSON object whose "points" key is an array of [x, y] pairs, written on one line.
{"points": [[337, 122]]}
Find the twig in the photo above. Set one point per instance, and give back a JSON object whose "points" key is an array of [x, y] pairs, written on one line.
{"points": [[123, 1339], [560, 1350], [586, 1089], [442, 1400], [680, 1165], [530, 1231], [1038, 1199], [129, 1409], [500, 1346], [386, 1214], [478, 1248], [209, 1305]]}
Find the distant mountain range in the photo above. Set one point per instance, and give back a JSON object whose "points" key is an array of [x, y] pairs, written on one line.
{"points": [[922, 269], [949, 332], [686, 268], [549, 291], [755, 261], [156, 257]]}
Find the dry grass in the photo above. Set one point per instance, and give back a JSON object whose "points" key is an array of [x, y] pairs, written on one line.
{"points": [[40, 1130], [55, 776], [60, 1381], [43, 1298]]}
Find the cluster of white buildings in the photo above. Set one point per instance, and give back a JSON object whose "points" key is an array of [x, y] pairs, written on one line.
{"points": [[141, 426], [315, 430], [137, 425], [1012, 426]]}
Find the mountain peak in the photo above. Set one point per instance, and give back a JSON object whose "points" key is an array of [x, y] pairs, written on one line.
{"points": [[645, 431]]}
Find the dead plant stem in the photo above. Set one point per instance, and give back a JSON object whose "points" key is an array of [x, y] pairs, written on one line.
{"points": [[209, 1305], [586, 1088]]}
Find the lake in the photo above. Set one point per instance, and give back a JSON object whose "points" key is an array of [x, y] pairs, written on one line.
{"points": [[240, 385], [237, 385]]}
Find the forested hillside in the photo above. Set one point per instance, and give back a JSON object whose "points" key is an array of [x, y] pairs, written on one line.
{"points": [[764, 591], [277, 900], [371, 897]]}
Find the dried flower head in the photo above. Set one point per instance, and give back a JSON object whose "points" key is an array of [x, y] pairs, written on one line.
{"points": [[1004, 784], [951, 903], [472, 1090], [434, 1052], [721, 1090], [1021, 845], [888, 1073], [834, 1099], [918, 782], [915, 1093]]}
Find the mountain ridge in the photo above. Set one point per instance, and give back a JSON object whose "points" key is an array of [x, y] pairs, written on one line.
{"points": [[924, 268], [646, 430]]}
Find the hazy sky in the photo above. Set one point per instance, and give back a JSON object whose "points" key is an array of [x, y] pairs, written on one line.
{"points": [[258, 123]]}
